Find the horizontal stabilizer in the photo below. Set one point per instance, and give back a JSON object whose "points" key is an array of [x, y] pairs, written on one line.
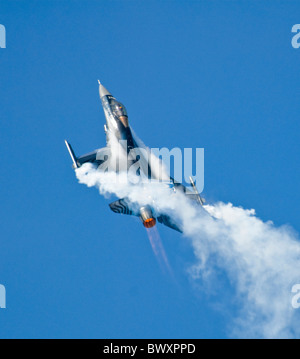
{"points": [[121, 207]]}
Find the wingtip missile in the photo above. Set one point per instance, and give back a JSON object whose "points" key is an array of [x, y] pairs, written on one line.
{"points": [[72, 154], [200, 199]]}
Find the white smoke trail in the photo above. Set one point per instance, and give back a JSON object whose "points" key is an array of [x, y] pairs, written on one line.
{"points": [[261, 261]]}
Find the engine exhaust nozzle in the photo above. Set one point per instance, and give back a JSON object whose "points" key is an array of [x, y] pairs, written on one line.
{"points": [[147, 218]]}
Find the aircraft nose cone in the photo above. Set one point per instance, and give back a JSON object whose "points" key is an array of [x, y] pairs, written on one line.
{"points": [[102, 90]]}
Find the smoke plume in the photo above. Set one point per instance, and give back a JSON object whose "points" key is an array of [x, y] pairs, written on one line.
{"points": [[261, 261]]}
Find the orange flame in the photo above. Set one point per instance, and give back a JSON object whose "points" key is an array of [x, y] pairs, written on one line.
{"points": [[149, 223]]}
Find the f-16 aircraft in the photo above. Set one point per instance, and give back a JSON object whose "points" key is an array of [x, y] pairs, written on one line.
{"points": [[117, 126]]}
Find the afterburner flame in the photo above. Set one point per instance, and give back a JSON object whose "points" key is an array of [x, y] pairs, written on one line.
{"points": [[158, 249], [149, 223]]}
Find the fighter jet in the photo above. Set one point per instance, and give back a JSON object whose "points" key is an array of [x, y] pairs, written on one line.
{"points": [[117, 126]]}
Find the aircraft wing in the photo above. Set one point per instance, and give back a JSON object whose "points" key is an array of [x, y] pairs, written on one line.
{"points": [[167, 221], [194, 196], [97, 157]]}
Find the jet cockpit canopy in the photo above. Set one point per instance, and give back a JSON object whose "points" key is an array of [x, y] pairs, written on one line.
{"points": [[117, 108]]}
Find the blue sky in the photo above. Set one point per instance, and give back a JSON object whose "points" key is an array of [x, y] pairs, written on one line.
{"points": [[217, 75]]}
